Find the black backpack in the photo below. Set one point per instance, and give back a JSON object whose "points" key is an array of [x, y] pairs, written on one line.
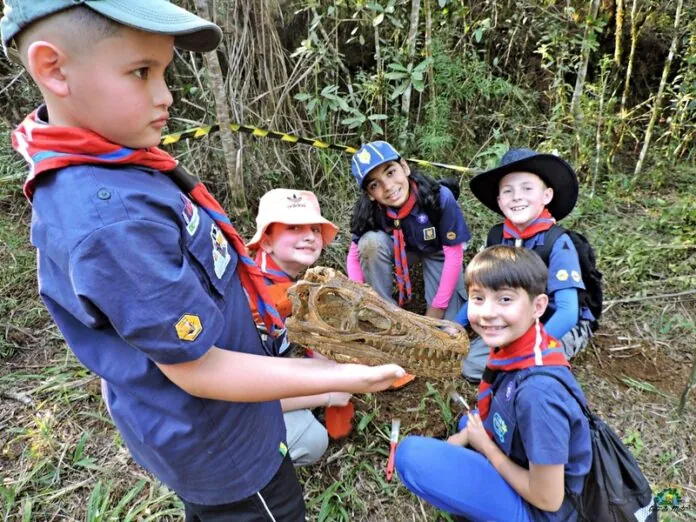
{"points": [[452, 184], [591, 297], [615, 489]]}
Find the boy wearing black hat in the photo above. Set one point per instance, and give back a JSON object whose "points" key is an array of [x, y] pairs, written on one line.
{"points": [[534, 191]]}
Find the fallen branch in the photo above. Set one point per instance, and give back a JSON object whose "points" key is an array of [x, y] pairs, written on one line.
{"points": [[647, 298], [19, 397]]}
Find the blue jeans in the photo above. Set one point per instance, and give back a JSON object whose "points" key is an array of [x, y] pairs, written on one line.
{"points": [[458, 480], [377, 263]]}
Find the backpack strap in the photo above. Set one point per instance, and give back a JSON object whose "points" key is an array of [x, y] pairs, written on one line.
{"points": [[550, 237], [574, 500], [495, 235], [583, 406]]}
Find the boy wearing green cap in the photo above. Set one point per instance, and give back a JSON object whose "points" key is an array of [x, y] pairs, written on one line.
{"points": [[141, 269]]}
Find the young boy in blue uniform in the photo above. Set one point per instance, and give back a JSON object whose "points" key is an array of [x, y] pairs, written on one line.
{"points": [[147, 281], [533, 192], [529, 438]]}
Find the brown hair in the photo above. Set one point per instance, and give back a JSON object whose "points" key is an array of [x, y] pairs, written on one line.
{"points": [[503, 266]]}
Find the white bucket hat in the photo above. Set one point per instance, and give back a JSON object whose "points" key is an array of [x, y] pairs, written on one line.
{"points": [[290, 207]]}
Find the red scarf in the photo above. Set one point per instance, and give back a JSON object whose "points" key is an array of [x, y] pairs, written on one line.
{"points": [[270, 269], [534, 348], [277, 284], [403, 281], [541, 224], [47, 147]]}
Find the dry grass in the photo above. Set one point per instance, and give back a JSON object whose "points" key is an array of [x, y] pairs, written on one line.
{"points": [[61, 459]]}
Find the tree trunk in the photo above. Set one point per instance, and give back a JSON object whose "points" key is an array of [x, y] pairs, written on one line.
{"points": [[412, 32], [631, 56], [582, 70], [605, 73], [429, 47], [618, 35], [660, 92], [235, 179]]}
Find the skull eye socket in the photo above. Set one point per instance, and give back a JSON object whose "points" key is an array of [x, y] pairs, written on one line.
{"points": [[335, 308], [372, 321]]}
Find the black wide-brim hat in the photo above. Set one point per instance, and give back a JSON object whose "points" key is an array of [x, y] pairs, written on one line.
{"points": [[554, 171]]}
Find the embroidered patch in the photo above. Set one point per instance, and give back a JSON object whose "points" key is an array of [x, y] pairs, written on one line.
{"points": [[422, 219], [364, 157], [575, 275], [429, 233], [499, 427], [562, 275], [451, 236], [190, 215], [188, 327], [221, 254], [509, 390], [283, 449]]}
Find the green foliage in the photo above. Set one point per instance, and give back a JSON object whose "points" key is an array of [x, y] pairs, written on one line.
{"points": [[634, 441]]}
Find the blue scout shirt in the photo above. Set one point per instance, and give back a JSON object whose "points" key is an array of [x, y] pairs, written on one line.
{"points": [[564, 267], [134, 273], [424, 236], [539, 421], [564, 272]]}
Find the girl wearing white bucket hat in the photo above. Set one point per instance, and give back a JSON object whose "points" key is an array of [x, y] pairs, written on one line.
{"points": [[290, 236]]}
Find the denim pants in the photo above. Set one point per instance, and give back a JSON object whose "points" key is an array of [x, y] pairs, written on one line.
{"points": [[376, 251]]}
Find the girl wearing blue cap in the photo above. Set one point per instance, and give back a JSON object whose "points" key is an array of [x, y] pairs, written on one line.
{"points": [[402, 217]]}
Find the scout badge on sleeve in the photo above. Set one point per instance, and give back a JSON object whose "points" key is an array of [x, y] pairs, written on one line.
{"points": [[393, 441]]}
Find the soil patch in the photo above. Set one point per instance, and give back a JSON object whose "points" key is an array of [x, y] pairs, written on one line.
{"points": [[617, 359]]}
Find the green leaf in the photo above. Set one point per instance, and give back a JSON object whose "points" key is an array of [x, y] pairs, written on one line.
{"points": [[354, 121], [302, 96], [376, 128], [396, 75], [400, 90], [343, 104], [310, 106], [364, 421], [27, 508], [398, 67], [378, 20], [421, 67]]}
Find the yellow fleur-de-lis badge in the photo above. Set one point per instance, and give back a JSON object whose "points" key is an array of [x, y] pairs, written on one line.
{"points": [[364, 157]]}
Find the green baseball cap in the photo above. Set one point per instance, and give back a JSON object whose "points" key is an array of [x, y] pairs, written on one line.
{"points": [[153, 16]]}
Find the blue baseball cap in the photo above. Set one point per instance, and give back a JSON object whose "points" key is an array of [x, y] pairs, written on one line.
{"points": [[190, 32], [552, 170], [370, 156]]}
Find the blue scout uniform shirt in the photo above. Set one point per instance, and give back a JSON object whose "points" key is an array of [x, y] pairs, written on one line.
{"points": [[564, 268], [134, 273], [539, 421], [423, 236]]}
